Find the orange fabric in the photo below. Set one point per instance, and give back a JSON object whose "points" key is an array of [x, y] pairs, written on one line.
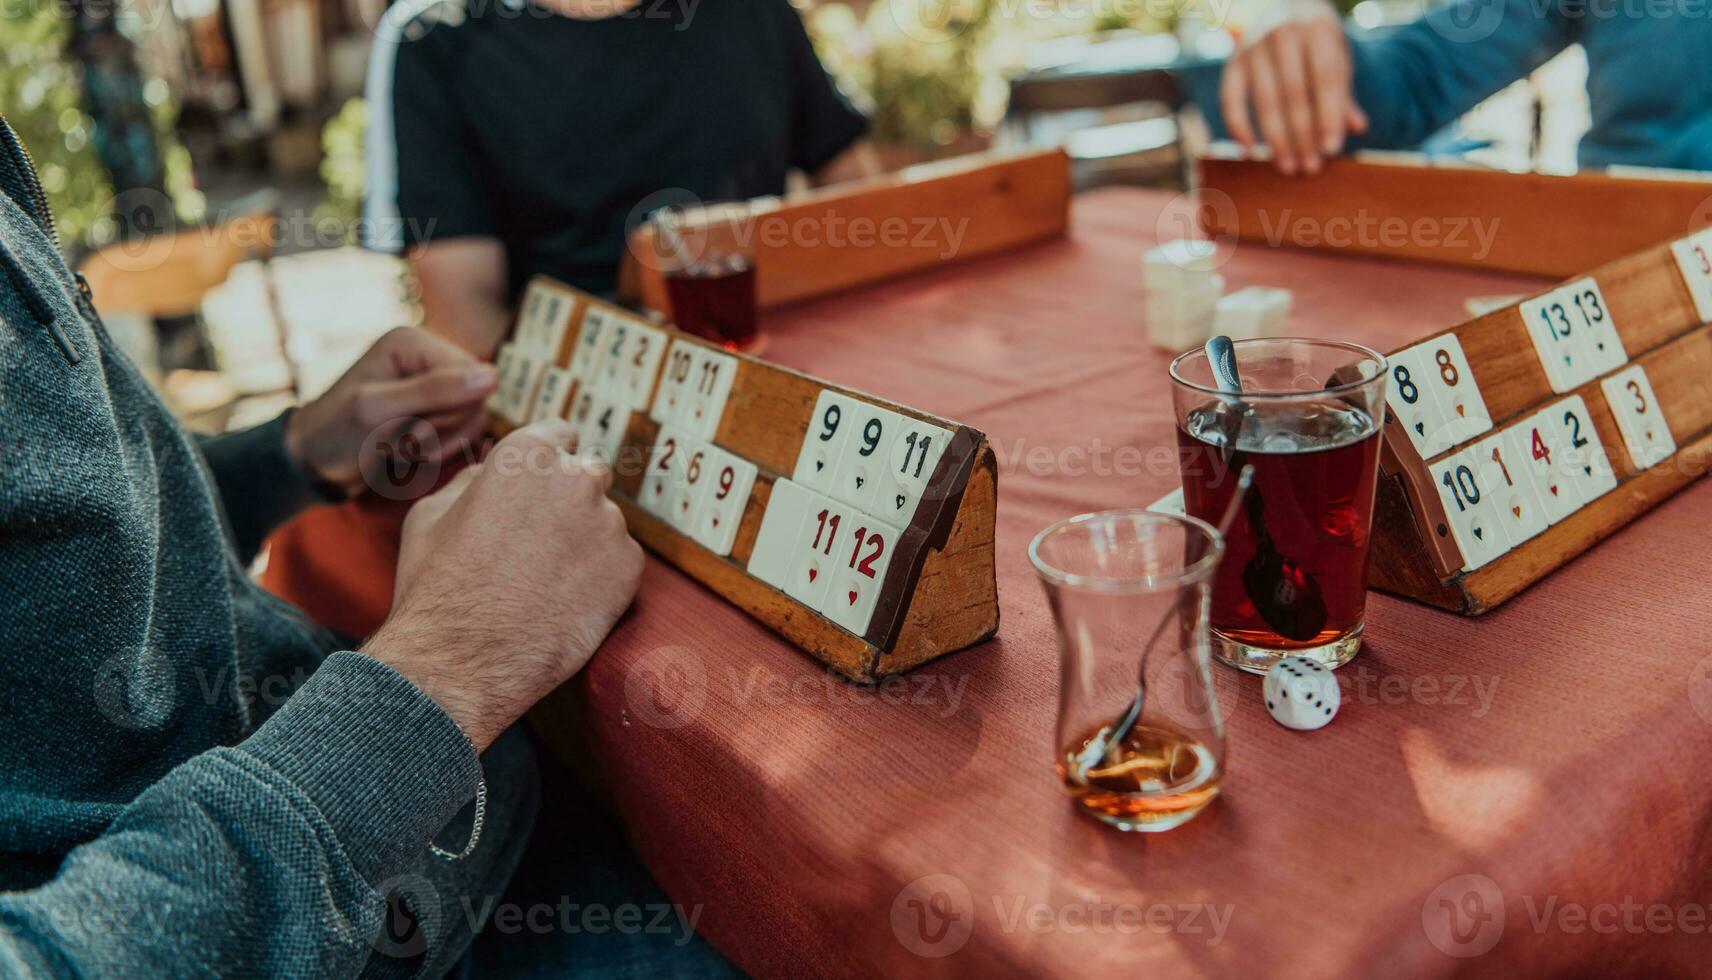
{"points": [[336, 562]]}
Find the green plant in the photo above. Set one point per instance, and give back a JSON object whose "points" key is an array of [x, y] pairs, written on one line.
{"points": [[342, 165]]}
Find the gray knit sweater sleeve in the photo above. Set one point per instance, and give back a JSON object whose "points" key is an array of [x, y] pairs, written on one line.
{"points": [[261, 858]]}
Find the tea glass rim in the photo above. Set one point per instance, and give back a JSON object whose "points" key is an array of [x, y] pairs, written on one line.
{"points": [[1381, 360], [1191, 574]]}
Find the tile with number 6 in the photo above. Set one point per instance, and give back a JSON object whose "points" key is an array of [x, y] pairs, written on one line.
{"points": [[694, 487]]}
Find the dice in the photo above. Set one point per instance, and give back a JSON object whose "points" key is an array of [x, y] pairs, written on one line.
{"points": [[1300, 694]]}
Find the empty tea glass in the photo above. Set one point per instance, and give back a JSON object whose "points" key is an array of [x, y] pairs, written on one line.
{"points": [[1129, 591]]}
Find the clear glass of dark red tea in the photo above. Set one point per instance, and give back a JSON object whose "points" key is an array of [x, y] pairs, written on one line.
{"points": [[1294, 578], [709, 267]]}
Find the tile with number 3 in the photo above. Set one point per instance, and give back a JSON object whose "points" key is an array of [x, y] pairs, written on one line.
{"points": [[1639, 417]]}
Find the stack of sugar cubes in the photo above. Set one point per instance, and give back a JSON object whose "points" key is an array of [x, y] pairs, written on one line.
{"points": [[1186, 305]]}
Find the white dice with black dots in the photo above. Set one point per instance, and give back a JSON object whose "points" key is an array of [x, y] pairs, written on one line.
{"points": [[1301, 694]]}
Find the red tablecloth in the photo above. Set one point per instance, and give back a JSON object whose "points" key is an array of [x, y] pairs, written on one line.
{"points": [[1555, 748]]}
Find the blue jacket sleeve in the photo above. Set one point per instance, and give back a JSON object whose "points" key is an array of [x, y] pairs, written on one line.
{"points": [[1415, 80], [267, 858]]}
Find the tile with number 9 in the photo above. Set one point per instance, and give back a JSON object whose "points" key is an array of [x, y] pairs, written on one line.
{"points": [[866, 455], [823, 444], [727, 497]]}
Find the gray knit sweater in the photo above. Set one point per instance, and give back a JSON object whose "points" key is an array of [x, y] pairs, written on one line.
{"points": [[190, 783]]}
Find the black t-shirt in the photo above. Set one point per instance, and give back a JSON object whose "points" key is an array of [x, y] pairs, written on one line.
{"points": [[547, 132]]}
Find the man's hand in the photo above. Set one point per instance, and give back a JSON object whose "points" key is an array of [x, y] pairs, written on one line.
{"points": [[412, 394], [1299, 77], [509, 579]]}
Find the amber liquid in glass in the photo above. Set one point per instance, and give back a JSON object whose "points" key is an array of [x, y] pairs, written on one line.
{"points": [[1315, 469], [716, 301], [1155, 776]]}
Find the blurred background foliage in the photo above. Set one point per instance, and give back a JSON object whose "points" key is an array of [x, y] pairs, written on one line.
{"points": [[41, 93]]}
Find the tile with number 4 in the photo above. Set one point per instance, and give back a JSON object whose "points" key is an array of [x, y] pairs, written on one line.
{"points": [[823, 445], [821, 546], [727, 497], [859, 576], [1532, 444], [1639, 417], [1583, 453], [866, 455], [782, 523], [1470, 509]]}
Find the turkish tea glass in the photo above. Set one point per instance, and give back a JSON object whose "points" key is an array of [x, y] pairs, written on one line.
{"points": [[1294, 579], [1140, 741], [710, 272]]}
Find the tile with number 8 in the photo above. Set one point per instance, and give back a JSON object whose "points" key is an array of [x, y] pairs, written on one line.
{"points": [[1413, 403], [1455, 390], [1640, 420]]}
